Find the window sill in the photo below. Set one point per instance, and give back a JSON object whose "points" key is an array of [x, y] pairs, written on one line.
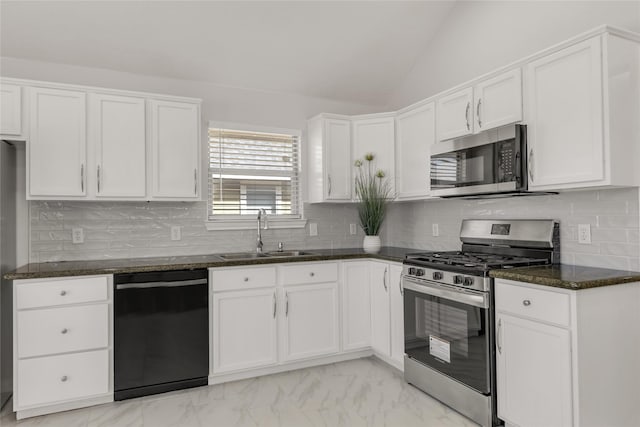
{"points": [[250, 224]]}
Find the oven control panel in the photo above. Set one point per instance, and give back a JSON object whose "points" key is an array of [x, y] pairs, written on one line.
{"points": [[447, 277]]}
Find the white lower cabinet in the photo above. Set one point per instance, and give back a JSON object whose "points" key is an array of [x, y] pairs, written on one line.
{"points": [[244, 329], [310, 321], [531, 356], [564, 357], [387, 323], [356, 305], [269, 315], [62, 344]]}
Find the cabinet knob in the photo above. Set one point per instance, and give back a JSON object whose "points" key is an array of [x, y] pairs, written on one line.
{"points": [[64, 378], [64, 331], [526, 303], [246, 279], [63, 293], [312, 274]]}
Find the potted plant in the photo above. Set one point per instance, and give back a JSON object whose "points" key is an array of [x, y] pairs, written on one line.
{"points": [[373, 193]]}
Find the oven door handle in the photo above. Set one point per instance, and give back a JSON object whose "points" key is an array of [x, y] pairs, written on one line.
{"points": [[475, 299]]}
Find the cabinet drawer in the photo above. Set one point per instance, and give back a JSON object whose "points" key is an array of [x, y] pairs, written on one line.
{"points": [[309, 273], [61, 330], [538, 304], [60, 292], [58, 378], [243, 278]]}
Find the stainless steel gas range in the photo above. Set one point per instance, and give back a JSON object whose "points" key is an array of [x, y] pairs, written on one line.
{"points": [[449, 310]]}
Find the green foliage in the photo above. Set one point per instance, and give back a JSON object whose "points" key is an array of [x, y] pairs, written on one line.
{"points": [[374, 192]]}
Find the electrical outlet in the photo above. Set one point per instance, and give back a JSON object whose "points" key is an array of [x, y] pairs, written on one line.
{"points": [[584, 234], [313, 229], [77, 234], [175, 233], [435, 231], [353, 229]]}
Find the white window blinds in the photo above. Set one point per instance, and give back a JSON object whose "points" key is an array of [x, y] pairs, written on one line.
{"points": [[249, 171]]}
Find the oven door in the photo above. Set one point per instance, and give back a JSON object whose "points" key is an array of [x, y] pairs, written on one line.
{"points": [[447, 329]]}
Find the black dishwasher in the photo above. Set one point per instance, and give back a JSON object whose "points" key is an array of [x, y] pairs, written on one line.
{"points": [[161, 332]]}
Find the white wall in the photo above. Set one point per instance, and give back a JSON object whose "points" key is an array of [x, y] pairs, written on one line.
{"points": [[480, 36], [612, 214]]}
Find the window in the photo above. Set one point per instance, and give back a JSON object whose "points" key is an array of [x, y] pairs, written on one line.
{"points": [[249, 171]]}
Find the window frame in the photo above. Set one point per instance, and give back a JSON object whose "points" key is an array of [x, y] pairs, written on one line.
{"points": [[245, 222]]}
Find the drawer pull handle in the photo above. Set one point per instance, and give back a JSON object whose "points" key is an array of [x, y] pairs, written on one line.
{"points": [[312, 274], [64, 331], [63, 293], [64, 379], [526, 303], [246, 279]]}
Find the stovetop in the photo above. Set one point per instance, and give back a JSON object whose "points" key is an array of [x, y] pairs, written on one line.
{"points": [[471, 261]]}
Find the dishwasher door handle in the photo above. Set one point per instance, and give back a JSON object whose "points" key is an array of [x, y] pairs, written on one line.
{"points": [[148, 285]]}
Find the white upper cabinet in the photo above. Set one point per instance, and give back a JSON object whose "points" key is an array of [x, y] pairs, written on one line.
{"points": [[491, 103], [56, 149], [415, 133], [582, 108], [329, 159], [117, 131], [498, 101], [375, 134], [175, 150], [455, 115], [10, 110]]}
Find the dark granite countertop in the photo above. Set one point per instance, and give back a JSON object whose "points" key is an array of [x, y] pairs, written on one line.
{"points": [[565, 276], [135, 265]]}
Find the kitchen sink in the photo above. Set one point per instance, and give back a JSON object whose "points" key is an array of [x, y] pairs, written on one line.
{"points": [[289, 253], [241, 255], [254, 255]]}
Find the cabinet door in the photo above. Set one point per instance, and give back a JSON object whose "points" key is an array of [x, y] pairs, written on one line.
{"points": [[533, 372], [356, 305], [396, 296], [380, 315], [338, 166], [175, 150], [244, 329], [376, 136], [498, 101], [454, 115], [10, 109], [117, 129], [564, 117], [56, 151], [415, 133], [311, 321]]}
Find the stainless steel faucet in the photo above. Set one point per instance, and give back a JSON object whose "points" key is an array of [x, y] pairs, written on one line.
{"points": [[261, 213]]}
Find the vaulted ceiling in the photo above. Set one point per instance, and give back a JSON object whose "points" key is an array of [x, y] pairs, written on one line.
{"points": [[356, 51]]}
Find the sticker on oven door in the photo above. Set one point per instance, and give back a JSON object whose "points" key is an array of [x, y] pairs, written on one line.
{"points": [[439, 348]]}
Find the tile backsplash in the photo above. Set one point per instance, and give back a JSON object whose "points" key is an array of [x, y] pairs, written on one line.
{"points": [[140, 229], [612, 214]]}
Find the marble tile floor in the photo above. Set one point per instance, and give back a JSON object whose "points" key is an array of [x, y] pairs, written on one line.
{"points": [[362, 392]]}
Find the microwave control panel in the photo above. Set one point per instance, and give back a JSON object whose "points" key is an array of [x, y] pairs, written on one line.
{"points": [[506, 154]]}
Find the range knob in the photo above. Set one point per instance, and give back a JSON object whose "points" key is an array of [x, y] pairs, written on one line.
{"points": [[457, 279], [468, 281], [419, 272], [412, 271], [437, 275]]}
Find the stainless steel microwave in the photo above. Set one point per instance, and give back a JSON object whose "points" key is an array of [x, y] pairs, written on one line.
{"points": [[491, 163]]}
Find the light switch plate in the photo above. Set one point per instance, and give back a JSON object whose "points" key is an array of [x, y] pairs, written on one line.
{"points": [[584, 234], [77, 235], [176, 233], [435, 231], [353, 229], [313, 229]]}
